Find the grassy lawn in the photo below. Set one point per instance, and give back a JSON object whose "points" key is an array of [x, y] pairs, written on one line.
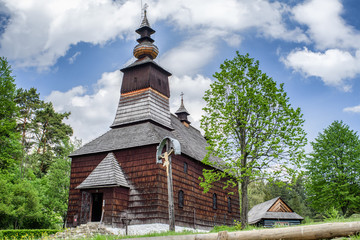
{"points": [[224, 228]]}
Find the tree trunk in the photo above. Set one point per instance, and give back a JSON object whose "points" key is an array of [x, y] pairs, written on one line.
{"points": [[244, 202]]}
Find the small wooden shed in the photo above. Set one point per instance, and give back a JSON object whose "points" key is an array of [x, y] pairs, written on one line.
{"points": [[273, 212]]}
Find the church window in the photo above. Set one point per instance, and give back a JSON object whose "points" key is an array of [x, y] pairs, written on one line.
{"points": [[159, 81], [185, 167], [214, 201], [181, 199], [229, 204]]}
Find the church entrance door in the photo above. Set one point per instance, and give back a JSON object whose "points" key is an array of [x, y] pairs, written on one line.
{"points": [[97, 199]]}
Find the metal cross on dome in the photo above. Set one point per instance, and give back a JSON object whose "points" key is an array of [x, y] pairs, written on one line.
{"points": [[172, 146]]}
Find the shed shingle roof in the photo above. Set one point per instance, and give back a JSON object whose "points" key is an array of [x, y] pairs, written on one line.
{"points": [[107, 174], [260, 211]]}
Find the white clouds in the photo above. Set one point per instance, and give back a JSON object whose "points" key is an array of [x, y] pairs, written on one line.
{"points": [[41, 31], [325, 25], [73, 57], [92, 111], [334, 66], [355, 109], [190, 55], [338, 60], [230, 16]]}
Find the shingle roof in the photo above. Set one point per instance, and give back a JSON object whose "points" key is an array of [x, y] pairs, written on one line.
{"points": [[107, 174], [192, 142], [145, 60], [260, 211]]}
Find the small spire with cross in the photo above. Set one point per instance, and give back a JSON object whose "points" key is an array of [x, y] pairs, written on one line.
{"points": [[182, 113]]}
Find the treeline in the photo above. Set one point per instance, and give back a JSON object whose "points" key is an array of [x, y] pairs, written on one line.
{"points": [[34, 165], [329, 186]]}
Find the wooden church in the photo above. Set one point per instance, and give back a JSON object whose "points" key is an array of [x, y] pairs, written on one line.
{"points": [[115, 176]]}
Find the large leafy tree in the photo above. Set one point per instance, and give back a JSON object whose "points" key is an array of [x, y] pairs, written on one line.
{"points": [[251, 126], [58, 183], [33, 131], [9, 138], [333, 170]]}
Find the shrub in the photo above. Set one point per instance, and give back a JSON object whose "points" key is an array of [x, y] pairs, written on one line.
{"points": [[26, 233]]}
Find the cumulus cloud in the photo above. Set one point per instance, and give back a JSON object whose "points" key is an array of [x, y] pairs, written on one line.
{"points": [[232, 15], [333, 66], [73, 57], [336, 58], [41, 31], [191, 55], [355, 109], [92, 109], [325, 25]]}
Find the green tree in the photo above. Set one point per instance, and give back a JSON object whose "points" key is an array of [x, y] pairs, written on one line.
{"points": [[9, 138], [29, 103], [251, 126], [257, 193], [58, 183], [293, 193], [20, 205], [333, 169], [50, 133]]}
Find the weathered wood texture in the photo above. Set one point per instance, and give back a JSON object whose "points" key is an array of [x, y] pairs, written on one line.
{"points": [[310, 232], [144, 76], [147, 197], [280, 206]]}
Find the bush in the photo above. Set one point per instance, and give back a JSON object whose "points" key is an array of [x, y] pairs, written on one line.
{"points": [[26, 233]]}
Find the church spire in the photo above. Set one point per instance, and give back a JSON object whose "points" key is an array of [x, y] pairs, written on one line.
{"points": [[145, 21], [182, 113], [145, 46], [145, 92]]}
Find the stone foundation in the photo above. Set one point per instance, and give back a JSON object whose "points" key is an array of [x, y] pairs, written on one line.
{"points": [[94, 228]]}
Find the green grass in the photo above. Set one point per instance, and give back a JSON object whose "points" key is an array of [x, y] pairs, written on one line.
{"points": [[222, 228], [159, 234]]}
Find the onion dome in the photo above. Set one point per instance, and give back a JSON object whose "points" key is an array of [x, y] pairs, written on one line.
{"points": [[145, 46], [182, 113]]}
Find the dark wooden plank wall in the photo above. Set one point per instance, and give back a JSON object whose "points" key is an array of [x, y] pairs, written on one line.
{"points": [[81, 167], [196, 199], [147, 199], [143, 174]]}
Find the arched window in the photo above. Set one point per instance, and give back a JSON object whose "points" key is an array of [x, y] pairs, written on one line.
{"points": [[229, 204], [214, 201], [185, 167], [181, 198]]}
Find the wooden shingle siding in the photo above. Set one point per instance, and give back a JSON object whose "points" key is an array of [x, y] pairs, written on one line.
{"points": [[146, 201]]}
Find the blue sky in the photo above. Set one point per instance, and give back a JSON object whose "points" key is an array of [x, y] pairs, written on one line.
{"points": [[71, 51]]}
